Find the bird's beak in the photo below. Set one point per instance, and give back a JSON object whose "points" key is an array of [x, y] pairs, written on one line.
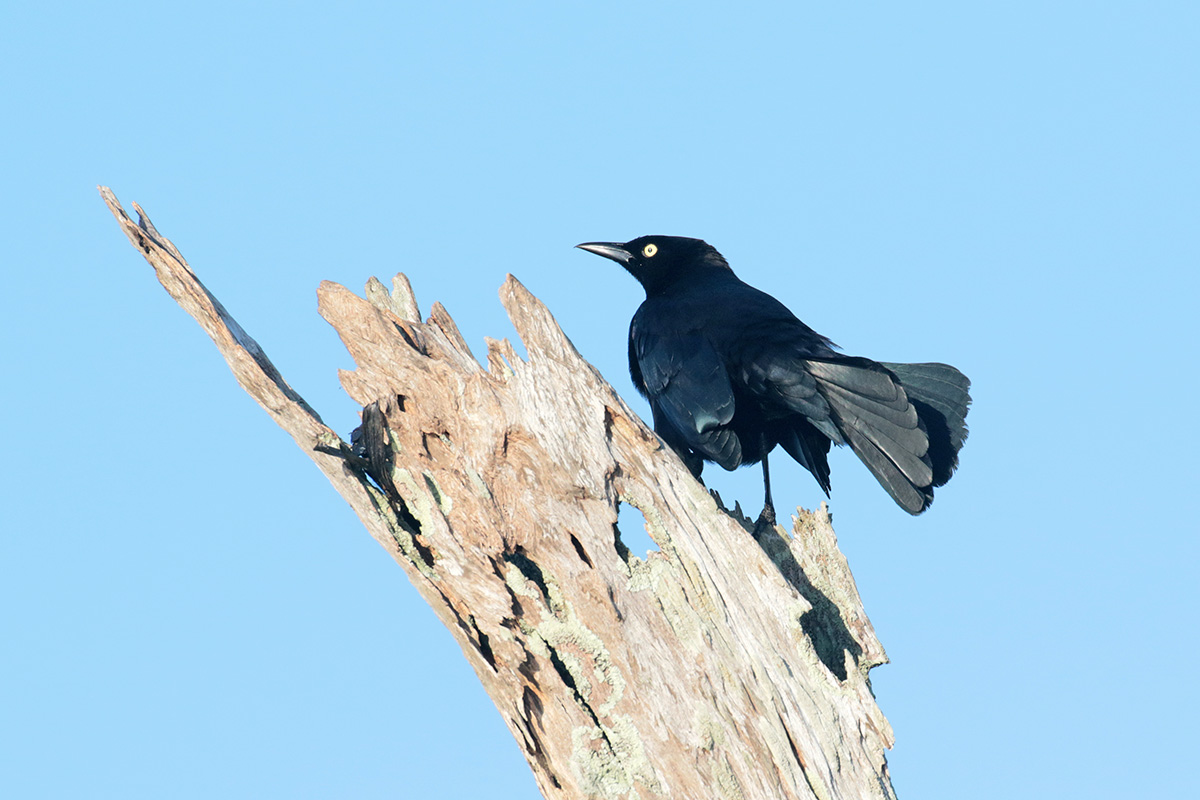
{"points": [[616, 252]]}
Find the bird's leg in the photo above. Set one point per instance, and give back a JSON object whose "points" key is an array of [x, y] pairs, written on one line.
{"points": [[767, 517]]}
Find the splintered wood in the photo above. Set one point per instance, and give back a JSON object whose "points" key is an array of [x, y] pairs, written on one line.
{"points": [[720, 666]]}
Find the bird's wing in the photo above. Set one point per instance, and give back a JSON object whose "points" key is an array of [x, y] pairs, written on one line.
{"points": [[689, 388], [880, 424], [781, 381]]}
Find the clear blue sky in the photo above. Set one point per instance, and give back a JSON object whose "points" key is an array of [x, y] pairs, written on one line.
{"points": [[188, 610]]}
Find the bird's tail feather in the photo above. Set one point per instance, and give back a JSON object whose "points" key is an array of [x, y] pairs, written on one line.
{"points": [[941, 395], [906, 422]]}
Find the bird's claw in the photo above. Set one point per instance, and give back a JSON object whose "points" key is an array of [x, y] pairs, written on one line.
{"points": [[766, 520]]}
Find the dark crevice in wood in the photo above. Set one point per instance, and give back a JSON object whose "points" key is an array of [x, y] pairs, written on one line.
{"points": [[616, 608], [619, 545], [583, 556], [529, 569], [484, 645]]}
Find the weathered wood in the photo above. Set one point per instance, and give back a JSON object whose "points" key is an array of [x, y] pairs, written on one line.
{"points": [[720, 666]]}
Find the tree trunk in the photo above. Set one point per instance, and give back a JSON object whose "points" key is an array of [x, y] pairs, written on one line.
{"points": [[728, 664]]}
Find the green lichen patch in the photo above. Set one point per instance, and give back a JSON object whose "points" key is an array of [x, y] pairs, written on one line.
{"points": [[611, 762], [445, 503]]}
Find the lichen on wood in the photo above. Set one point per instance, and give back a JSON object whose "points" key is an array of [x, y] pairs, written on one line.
{"points": [[731, 662]]}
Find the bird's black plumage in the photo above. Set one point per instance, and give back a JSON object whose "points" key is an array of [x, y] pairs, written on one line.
{"points": [[730, 373]]}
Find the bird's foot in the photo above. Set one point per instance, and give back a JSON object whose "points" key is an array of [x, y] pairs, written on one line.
{"points": [[766, 520]]}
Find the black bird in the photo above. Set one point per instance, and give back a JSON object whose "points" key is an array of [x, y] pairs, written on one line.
{"points": [[730, 373]]}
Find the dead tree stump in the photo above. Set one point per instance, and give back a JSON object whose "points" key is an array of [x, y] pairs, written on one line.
{"points": [[720, 667]]}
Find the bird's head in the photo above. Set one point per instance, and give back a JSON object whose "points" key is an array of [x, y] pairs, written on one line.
{"points": [[659, 261]]}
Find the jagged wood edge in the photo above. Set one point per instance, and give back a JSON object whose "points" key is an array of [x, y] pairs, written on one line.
{"points": [[258, 376]]}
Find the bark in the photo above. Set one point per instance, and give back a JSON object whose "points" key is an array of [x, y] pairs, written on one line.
{"points": [[730, 663]]}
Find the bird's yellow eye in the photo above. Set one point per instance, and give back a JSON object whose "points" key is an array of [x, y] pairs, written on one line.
{"points": [[649, 250]]}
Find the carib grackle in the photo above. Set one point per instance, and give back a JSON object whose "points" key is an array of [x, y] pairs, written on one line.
{"points": [[730, 373]]}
